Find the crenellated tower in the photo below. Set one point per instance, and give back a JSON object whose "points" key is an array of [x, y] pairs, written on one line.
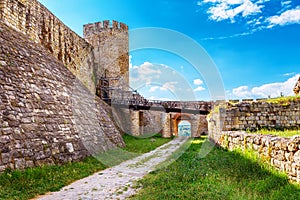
{"points": [[111, 53]]}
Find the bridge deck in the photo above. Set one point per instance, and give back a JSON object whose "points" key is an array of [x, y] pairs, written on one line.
{"points": [[201, 108]]}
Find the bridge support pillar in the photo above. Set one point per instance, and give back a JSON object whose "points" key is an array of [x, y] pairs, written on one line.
{"points": [[137, 123], [167, 127], [194, 126]]}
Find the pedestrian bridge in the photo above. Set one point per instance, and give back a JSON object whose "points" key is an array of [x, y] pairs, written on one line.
{"points": [[135, 114]]}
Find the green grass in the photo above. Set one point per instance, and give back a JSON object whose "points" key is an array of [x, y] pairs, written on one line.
{"points": [[31, 182], [284, 100], [143, 145], [21, 185], [134, 147], [285, 133], [219, 175]]}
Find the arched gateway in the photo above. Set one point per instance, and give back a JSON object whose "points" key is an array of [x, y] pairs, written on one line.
{"points": [[182, 124]]}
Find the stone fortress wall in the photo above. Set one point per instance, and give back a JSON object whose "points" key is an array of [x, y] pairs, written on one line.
{"points": [[48, 115], [44, 120], [36, 21], [104, 49]]}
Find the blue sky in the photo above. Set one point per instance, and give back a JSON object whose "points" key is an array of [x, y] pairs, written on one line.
{"points": [[253, 43]]}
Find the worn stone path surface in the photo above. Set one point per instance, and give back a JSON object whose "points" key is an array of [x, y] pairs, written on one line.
{"points": [[118, 182]]}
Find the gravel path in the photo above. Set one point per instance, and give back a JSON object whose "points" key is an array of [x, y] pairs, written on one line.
{"points": [[118, 182]]}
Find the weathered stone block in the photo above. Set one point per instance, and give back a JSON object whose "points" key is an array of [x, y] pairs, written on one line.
{"points": [[297, 158], [292, 146]]}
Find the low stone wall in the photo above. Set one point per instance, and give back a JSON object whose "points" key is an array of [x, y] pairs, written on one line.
{"points": [[282, 153], [257, 115]]}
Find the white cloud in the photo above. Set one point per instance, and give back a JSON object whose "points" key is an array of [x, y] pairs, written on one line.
{"points": [[168, 86], [285, 3], [147, 68], [242, 92], [266, 90], [198, 82], [200, 88], [154, 88], [255, 13], [289, 74], [288, 17], [146, 72], [230, 9]]}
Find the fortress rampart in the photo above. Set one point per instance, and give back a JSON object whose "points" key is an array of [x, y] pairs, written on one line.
{"points": [[47, 115], [104, 51], [36, 21]]}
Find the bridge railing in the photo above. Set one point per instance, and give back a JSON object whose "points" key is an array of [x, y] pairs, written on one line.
{"points": [[195, 105]]}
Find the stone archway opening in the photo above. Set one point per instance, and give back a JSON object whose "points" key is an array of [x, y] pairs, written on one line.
{"points": [[181, 124], [184, 129]]}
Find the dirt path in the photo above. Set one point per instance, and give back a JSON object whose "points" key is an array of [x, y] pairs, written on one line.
{"points": [[118, 182]]}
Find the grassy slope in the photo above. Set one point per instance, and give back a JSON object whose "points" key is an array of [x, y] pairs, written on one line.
{"points": [[31, 182], [143, 145], [284, 100], [219, 175]]}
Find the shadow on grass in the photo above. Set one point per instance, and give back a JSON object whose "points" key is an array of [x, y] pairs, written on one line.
{"points": [[219, 175], [26, 184], [135, 146]]}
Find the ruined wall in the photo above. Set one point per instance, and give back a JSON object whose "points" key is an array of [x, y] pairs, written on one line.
{"points": [[46, 115], [33, 19], [111, 50], [257, 115], [282, 153]]}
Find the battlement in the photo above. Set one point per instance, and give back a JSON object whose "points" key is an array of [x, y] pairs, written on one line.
{"points": [[111, 48], [97, 27]]}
